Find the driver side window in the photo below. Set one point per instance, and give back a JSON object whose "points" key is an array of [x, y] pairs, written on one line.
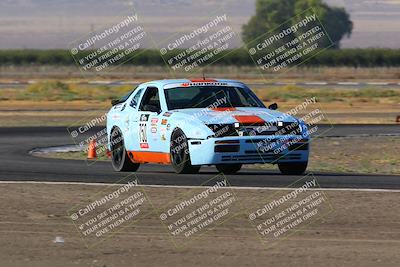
{"points": [[150, 101]]}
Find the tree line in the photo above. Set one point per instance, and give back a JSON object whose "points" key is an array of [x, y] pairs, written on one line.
{"points": [[372, 57]]}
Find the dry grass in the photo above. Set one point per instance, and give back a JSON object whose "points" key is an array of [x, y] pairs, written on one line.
{"points": [[325, 95], [56, 90], [57, 103], [44, 72]]}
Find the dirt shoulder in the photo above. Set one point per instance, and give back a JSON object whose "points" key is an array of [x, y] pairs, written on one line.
{"points": [[362, 230]]}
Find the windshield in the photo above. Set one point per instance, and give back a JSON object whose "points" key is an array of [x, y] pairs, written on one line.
{"points": [[210, 97]]}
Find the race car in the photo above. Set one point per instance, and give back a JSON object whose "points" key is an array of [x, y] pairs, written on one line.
{"points": [[191, 123]]}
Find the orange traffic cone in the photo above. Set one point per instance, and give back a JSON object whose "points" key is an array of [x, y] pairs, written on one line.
{"points": [[92, 149]]}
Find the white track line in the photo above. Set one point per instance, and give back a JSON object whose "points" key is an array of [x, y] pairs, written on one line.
{"points": [[378, 83], [316, 83], [99, 82], [348, 83], [194, 187]]}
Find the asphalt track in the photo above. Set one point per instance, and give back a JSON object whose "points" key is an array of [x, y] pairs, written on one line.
{"points": [[16, 164]]}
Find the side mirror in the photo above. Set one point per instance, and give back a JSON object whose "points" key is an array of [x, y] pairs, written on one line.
{"points": [[273, 106], [114, 102]]}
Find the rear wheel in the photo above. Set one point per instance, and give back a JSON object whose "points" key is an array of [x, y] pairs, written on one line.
{"points": [[119, 157], [293, 168], [180, 158], [229, 168]]}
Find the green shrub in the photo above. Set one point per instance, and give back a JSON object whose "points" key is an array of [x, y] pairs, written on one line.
{"points": [[371, 57], [49, 90]]}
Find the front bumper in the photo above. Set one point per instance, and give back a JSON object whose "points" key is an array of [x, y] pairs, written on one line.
{"points": [[249, 150]]}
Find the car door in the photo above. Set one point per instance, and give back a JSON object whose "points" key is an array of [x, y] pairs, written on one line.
{"points": [[130, 120], [149, 113]]}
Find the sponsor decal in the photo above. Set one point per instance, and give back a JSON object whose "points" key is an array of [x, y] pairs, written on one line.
{"points": [[167, 114], [154, 121], [144, 145], [123, 107], [168, 127], [117, 106], [163, 138], [153, 130], [203, 83], [164, 122], [144, 117], [143, 135]]}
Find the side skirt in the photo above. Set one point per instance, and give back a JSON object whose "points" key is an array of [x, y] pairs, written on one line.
{"points": [[149, 157]]}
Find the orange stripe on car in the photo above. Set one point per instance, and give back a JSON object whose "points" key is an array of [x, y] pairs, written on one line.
{"points": [[246, 119], [149, 157]]}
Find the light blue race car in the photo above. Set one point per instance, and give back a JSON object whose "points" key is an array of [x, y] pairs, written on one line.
{"points": [[190, 123]]}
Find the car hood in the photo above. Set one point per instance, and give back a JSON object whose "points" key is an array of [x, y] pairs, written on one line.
{"points": [[232, 115]]}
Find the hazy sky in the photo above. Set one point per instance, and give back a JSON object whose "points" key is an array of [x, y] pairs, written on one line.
{"points": [[47, 24]]}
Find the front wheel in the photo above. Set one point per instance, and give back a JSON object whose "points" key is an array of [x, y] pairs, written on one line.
{"points": [[229, 168], [180, 158], [293, 168], [119, 157]]}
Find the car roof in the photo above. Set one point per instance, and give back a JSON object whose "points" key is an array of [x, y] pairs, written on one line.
{"points": [[163, 83]]}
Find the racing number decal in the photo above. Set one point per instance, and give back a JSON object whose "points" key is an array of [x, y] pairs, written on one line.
{"points": [[143, 135], [143, 131]]}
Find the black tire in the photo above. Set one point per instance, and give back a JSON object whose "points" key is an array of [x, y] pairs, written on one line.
{"points": [[119, 157], [229, 168], [179, 153], [293, 168]]}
